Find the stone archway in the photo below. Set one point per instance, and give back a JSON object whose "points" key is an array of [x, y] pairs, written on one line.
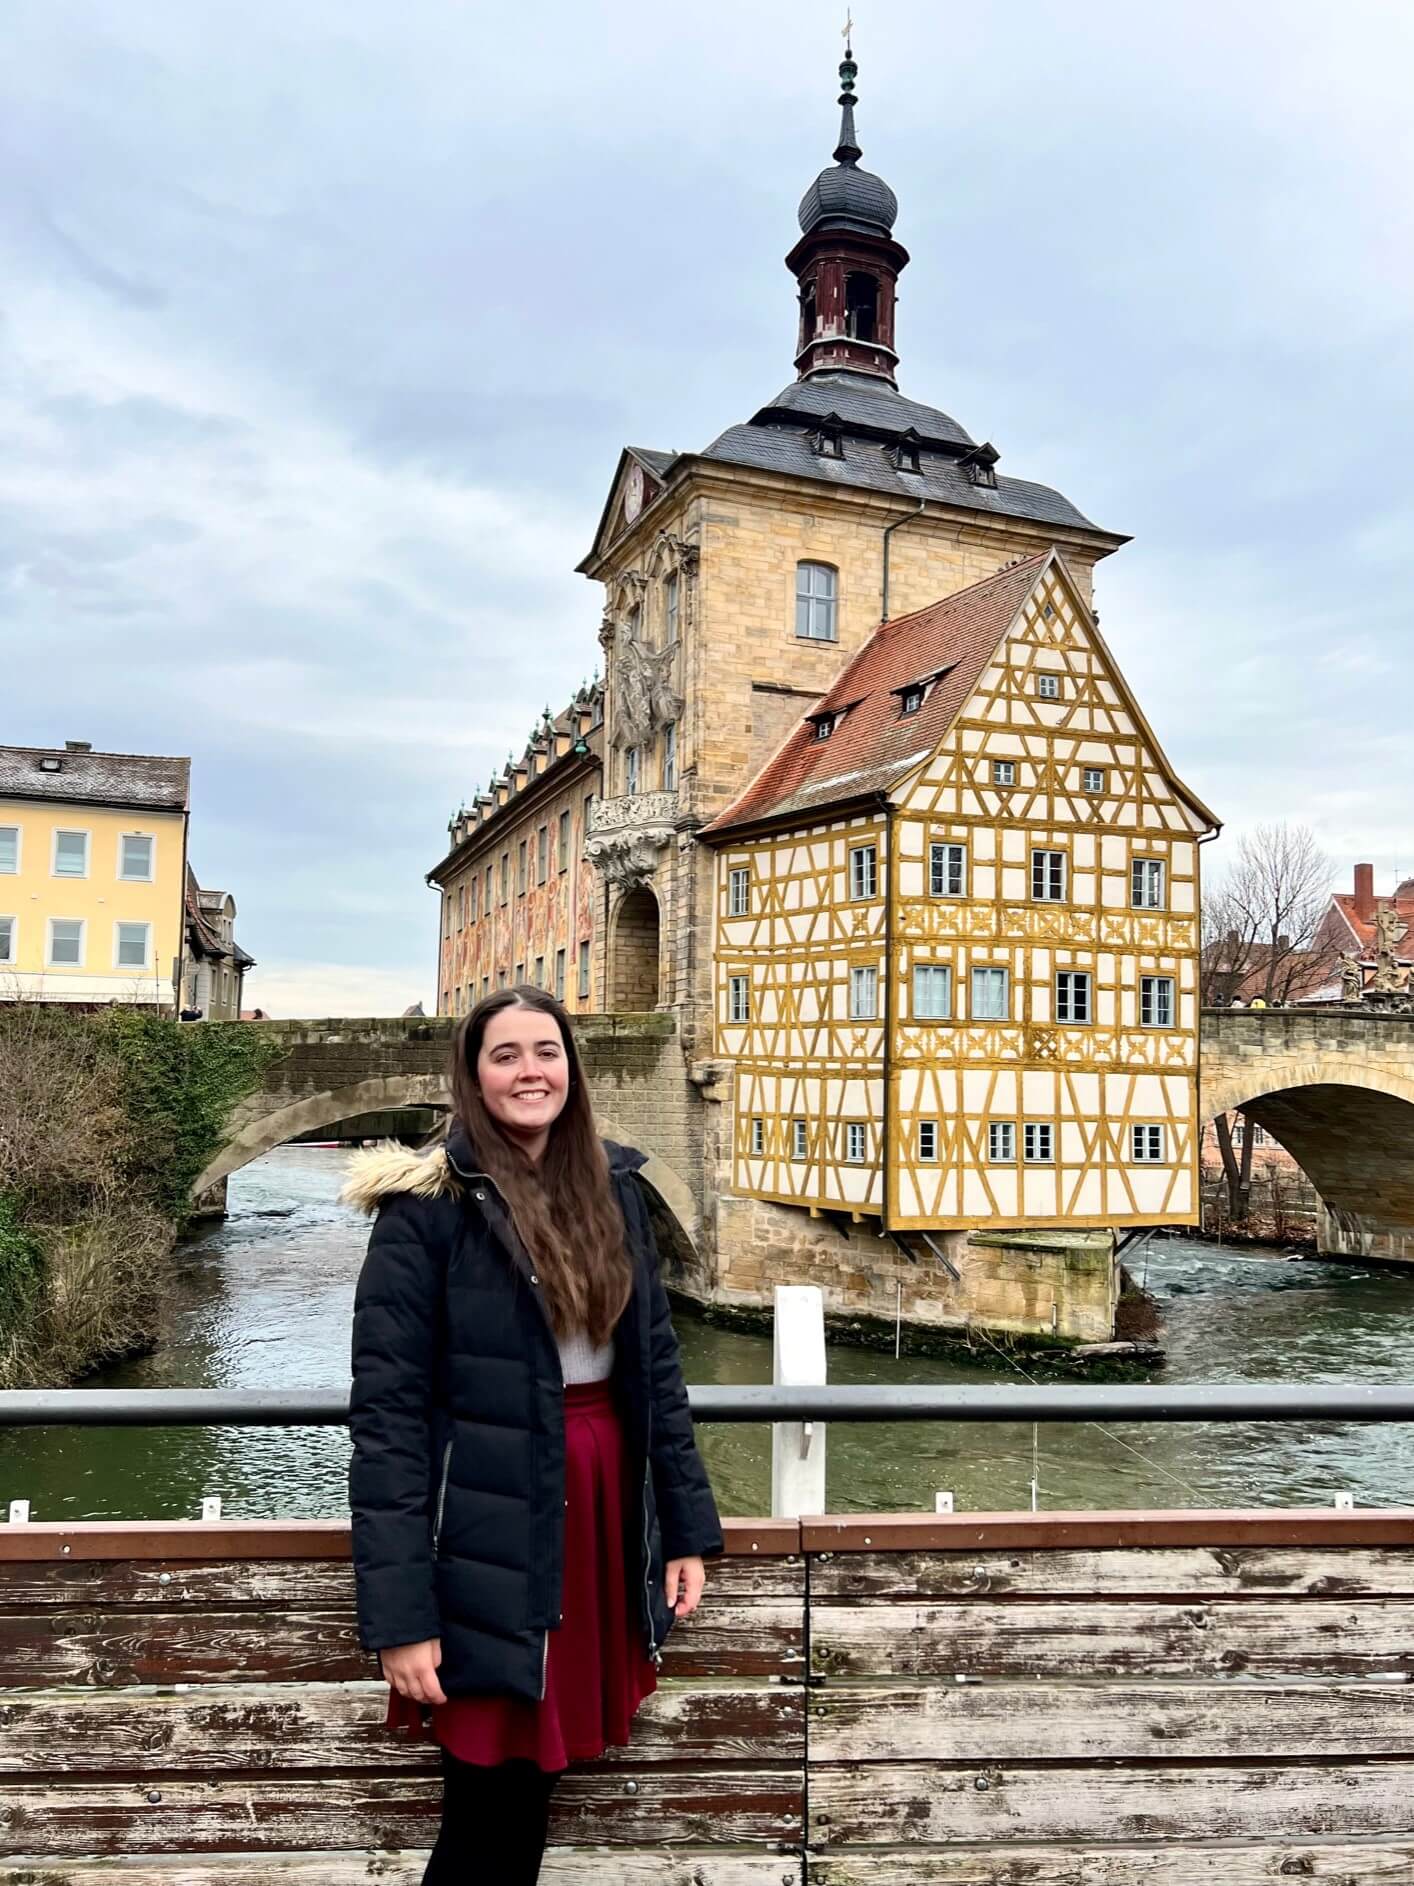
{"points": [[269, 1129], [634, 948]]}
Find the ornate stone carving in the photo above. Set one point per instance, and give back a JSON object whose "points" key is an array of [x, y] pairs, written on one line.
{"points": [[1352, 980], [644, 701], [626, 836], [1389, 977]]}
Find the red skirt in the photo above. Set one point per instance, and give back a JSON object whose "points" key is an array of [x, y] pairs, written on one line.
{"points": [[597, 1670]]}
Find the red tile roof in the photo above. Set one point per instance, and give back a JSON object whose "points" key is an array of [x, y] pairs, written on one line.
{"points": [[1364, 929], [873, 746]]}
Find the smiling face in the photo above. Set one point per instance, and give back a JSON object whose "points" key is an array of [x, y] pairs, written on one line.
{"points": [[523, 1075]]}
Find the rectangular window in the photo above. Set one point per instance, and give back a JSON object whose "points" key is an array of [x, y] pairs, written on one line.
{"points": [[584, 972], [864, 872], [485, 987], [928, 1140], [670, 608], [1037, 1144], [1146, 884], [1048, 876], [758, 1136], [505, 875], [670, 757], [1156, 1001], [947, 870], [65, 943], [70, 854], [1146, 1145], [815, 598], [132, 945], [522, 867], [1003, 772], [135, 857], [739, 891], [991, 995], [932, 992], [1001, 1142], [588, 813], [542, 854], [559, 975], [9, 849], [7, 940], [475, 889], [863, 995], [1048, 687], [562, 843], [501, 979], [520, 975], [540, 972], [912, 700], [855, 1143], [631, 770], [461, 907], [1092, 779], [739, 998], [487, 905], [799, 1140], [1073, 996]]}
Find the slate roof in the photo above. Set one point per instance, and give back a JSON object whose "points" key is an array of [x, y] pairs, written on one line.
{"points": [[863, 401], [149, 782], [873, 746], [657, 462]]}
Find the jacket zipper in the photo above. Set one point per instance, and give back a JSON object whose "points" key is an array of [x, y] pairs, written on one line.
{"points": [[647, 1546], [441, 1497]]}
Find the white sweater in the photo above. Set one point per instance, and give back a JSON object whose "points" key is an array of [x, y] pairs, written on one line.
{"points": [[580, 1361]]}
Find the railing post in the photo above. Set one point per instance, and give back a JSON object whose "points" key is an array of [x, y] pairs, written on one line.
{"points": [[798, 1447]]}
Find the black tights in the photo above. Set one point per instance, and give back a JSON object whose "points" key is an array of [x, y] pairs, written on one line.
{"points": [[493, 1824]]}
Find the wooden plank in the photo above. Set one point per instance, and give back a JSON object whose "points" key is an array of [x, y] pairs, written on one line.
{"points": [[1340, 1863], [593, 1806], [315, 1584], [50, 1650], [563, 1866], [1116, 1572], [929, 1804], [1133, 1638], [1025, 1722], [1289, 1526], [220, 1728], [278, 1539]]}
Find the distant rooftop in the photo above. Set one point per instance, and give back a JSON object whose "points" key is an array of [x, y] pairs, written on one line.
{"points": [[75, 774]]}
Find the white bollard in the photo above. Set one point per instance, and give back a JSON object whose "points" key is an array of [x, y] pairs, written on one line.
{"points": [[798, 1447]]}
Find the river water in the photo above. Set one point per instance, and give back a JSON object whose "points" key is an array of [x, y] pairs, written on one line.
{"points": [[263, 1301]]}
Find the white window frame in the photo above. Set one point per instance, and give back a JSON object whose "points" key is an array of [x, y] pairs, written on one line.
{"points": [[817, 595], [989, 970], [1048, 685], [1148, 1144], [928, 1142], [49, 962], [1065, 1000], [859, 891], [1036, 1135], [672, 602], [564, 834], [137, 877], [1003, 772], [758, 1137], [670, 757], [584, 970], [928, 975], [799, 1140], [631, 770], [738, 998], [1001, 1142], [126, 923], [1152, 992], [560, 966], [1092, 779], [739, 891], [1145, 873], [1049, 871], [69, 831], [947, 869], [18, 866], [862, 977], [12, 946], [856, 1143]]}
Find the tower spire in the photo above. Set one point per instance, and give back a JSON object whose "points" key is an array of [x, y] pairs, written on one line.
{"points": [[847, 151]]}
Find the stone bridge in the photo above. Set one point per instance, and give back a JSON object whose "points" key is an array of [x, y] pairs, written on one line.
{"points": [[1335, 1086]]}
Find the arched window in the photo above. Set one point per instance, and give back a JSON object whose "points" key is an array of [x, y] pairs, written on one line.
{"points": [[861, 307], [816, 585], [807, 314]]}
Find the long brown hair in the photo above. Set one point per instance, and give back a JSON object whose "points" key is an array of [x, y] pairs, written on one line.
{"points": [[564, 1208]]}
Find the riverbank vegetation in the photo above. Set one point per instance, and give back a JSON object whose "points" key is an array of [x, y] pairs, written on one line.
{"points": [[106, 1120]]}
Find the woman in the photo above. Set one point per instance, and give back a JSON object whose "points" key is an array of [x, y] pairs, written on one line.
{"points": [[530, 1512]]}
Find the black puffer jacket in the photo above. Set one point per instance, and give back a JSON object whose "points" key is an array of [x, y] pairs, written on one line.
{"points": [[458, 1471]]}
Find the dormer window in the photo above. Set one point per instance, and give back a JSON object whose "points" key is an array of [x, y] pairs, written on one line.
{"points": [[824, 726], [904, 452], [827, 441], [980, 464], [51, 763], [912, 698]]}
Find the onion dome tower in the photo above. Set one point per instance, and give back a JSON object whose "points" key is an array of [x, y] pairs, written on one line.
{"points": [[847, 262]]}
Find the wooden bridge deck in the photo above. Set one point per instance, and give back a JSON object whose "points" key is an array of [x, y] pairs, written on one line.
{"points": [[981, 1700]]}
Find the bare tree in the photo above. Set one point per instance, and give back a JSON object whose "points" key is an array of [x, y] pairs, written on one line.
{"points": [[1260, 920]]}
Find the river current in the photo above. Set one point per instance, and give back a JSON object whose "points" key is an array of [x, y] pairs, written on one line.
{"points": [[263, 1300]]}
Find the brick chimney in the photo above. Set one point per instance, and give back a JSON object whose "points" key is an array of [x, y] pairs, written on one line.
{"points": [[1365, 892], [78, 746]]}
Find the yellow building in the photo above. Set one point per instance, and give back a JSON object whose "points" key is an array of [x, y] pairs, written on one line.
{"points": [[957, 933], [92, 874]]}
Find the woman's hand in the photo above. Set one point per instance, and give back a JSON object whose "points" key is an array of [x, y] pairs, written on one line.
{"points": [[412, 1669], [689, 1576]]}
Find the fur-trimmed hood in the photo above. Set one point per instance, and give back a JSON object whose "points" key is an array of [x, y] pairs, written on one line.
{"points": [[380, 1172]]}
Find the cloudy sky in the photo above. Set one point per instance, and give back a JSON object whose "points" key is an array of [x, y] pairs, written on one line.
{"points": [[322, 323]]}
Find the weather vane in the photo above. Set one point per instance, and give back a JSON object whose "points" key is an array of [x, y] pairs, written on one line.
{"points": [[847, 31]]}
